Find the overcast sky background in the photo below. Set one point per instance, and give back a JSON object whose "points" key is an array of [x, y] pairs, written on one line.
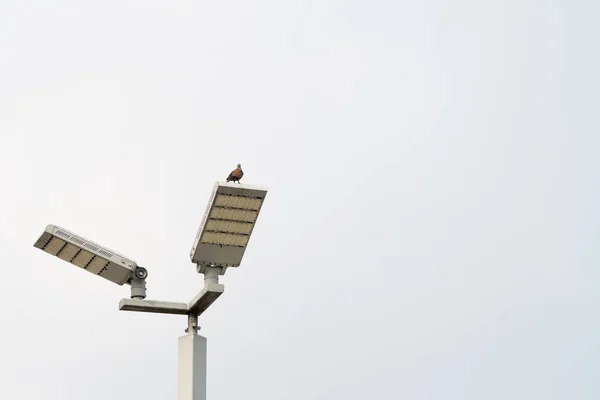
{"points": [[431, 229]]}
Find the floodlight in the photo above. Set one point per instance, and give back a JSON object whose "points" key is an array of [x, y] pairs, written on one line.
{"points": [[89, 256], [227, 224]]}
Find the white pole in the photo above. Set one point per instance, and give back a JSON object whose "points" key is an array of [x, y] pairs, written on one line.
{"points": [[191, 371]]}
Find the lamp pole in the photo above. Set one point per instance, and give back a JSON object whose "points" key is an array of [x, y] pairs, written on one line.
{"points": [[191, 368]]}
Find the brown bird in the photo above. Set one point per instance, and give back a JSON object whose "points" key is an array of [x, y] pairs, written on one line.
{"points": [[236, 174]]}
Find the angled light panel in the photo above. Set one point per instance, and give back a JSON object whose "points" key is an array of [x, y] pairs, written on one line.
{"points": [[85, 254], [227, 224]]}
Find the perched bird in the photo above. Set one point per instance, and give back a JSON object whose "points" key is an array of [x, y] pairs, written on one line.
{"points": [[236, 174]]}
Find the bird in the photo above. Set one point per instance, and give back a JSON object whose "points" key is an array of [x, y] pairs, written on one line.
{"points": [[236, 174]]}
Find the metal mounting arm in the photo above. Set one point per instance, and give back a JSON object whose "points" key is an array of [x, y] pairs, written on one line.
{"points": [[191, 374]]}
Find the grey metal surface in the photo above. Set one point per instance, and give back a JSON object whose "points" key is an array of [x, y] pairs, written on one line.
{"points": [[100, 260], [138, 288], [218, 254], [206, 297], [211, 275], [191, 368], [154, 306], [192, 324]]}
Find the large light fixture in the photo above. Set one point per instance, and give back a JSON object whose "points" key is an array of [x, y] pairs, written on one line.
{"points": [[227, 225], [88, 255]]}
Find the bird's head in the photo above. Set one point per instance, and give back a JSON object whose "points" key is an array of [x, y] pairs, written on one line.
{"points": [[239, 165]]}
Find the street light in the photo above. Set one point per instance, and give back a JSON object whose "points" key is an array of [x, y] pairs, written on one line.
{"points": [[226, 227], [221, 241], [93, 258]]}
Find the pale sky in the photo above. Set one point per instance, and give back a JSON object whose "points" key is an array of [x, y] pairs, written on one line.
{"points": [[431, 230]]}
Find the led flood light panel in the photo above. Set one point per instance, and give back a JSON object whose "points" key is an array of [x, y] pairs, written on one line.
{"points": [[85, 254], [227, 224]]}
